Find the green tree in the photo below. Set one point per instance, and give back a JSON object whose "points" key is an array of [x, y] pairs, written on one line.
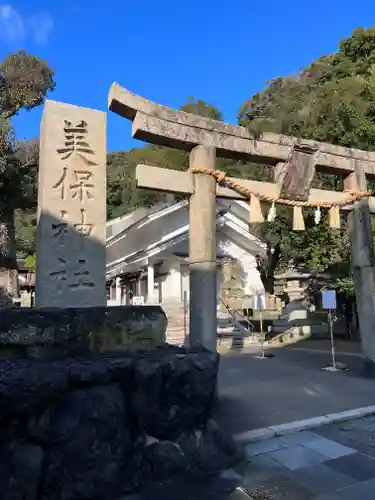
{"points": [[122, 193], [202, 108], [25, 225], [24, 83], [331, 100], [30, 262]]}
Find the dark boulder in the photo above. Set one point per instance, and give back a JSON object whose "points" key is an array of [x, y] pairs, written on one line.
{"points": [[209, 449], [162, 460], [174, 394], [20, 470], [89, 464]]}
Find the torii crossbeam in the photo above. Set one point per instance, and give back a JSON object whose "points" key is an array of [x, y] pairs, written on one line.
{"points": [[295, 162]]}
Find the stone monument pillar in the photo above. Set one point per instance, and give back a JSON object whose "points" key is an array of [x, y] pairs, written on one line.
{"points": [[70, 257]]}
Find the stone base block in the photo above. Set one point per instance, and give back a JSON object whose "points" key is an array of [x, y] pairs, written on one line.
{"points": [[34, 332], [94, 427]]}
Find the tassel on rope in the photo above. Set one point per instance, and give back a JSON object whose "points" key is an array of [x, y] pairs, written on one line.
{"points": [[317, 216], [298, 222], [271, 216], [334, 217], [256, 214]]}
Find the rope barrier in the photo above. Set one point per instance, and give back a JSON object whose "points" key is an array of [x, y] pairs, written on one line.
{"points": [[223, 179]]}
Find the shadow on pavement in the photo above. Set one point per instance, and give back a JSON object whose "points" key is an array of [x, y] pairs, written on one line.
{"points": [[291, 386]]}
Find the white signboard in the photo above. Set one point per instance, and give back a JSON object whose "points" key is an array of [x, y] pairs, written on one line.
{"points": [[329, 299], [138, 300]]}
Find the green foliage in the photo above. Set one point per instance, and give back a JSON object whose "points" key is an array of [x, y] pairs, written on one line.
{"points": [[201, 108], [345, 286], [332, 100], [122, 193], [24, 83], [30, 262], [25, 223]]}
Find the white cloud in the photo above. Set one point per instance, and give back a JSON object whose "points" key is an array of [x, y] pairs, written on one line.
{"points": [[15, 28], [12, 25], [41, 26]]}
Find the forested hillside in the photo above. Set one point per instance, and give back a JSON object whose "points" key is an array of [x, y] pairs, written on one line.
{"points": [[331, 100]]}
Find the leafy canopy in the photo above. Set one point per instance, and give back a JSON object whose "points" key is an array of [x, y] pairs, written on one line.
{"points": [[331, 100], [24, 83]]}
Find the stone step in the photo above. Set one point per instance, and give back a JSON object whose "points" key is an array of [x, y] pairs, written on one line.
{"points": [[288, 338], [297, 322], [303, 329], [226, 342], [226, 326], [229, 331]]}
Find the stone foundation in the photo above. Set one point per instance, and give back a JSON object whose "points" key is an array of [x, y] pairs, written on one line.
{"points": [[96, 427], [40, 333]]}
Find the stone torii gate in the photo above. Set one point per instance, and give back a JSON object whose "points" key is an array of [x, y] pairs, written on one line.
{"points": [[295, 162]]}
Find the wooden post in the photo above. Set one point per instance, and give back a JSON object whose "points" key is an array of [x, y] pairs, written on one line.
{"points": [[363, 262], [202, 251]]}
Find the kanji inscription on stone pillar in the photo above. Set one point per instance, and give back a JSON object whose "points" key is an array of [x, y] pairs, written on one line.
{"points": [[71, 207]]}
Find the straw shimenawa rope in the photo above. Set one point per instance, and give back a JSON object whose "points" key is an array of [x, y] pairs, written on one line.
{"points": [[223, 178]]}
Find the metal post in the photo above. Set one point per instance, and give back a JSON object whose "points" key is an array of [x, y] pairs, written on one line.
{"points": [[202, 251], [261, 331], [330, 321]]}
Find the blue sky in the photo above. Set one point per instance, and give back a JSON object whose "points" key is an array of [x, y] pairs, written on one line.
{"points": [[166, 50]]}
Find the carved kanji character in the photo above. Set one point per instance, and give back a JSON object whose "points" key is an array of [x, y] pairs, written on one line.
{"points": [[76, 142], [61, 229], [61, 183], [81, 277], [60, 276], [83, 228], [82, 187]]}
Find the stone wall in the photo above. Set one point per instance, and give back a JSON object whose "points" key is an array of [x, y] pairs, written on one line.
{"points": [[37, 332], [96, 427]]}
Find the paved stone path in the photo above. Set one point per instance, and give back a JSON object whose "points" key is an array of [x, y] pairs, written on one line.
{"points": [[334, 462], [290, 386]]}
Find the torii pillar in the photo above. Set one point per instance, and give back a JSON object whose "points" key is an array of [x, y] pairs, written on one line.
{"points": [[363, 266], [202, 190], [202, 251]]}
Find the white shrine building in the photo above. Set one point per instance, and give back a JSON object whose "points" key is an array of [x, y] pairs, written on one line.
{"points": [[147, 253]]}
